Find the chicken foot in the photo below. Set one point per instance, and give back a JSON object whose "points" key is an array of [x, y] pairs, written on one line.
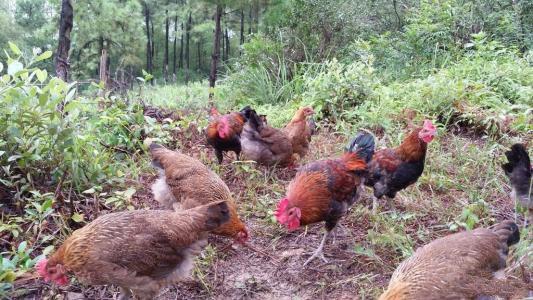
{"points": [[374, 205], [125, 294], [319, 251]]}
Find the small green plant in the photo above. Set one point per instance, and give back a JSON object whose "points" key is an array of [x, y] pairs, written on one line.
{"points": [[15, 263]]}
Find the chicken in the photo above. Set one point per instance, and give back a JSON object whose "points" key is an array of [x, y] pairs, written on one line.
{"points": [[392, 170], [463, 265], [224, 131], [185, 182], [323, 191], [140, 251], [264, 144], [518, 169], [299, 131]]}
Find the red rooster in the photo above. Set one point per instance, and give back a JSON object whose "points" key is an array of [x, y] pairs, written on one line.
{"points": [[392, 170], [324, 190], [224, 132]]}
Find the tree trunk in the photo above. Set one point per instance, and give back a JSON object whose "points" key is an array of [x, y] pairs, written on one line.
{"points": [[187, 52], [148, 39], [199, 44], [250, 20], [181, 47], [165, 59], [216, 53], [103, 70], [223, 46], [175, 44], [227, 44], [153, 43], [395, 5], [65, 27], [242, 28]]}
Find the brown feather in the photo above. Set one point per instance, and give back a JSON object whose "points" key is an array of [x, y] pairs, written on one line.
{"points": [[142, 250], [412, 147], [317, 184], [458, 266], [187, 183], [299, 133]]}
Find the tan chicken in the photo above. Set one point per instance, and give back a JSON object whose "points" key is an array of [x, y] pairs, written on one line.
{"points": [[265, 144], [463, 265], [185, 182], [140, 251], [299, 131]]}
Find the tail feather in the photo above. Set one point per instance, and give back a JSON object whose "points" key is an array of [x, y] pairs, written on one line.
{"points": [[245, 112], [517, 157], [507, 231], [255, 120], [518, 169], [155, 149], [363, 144]]}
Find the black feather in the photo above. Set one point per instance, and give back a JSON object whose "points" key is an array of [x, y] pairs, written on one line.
{"points": [[518, 169], [246, 111], [312, 125], [514, 237], [363, 144]]}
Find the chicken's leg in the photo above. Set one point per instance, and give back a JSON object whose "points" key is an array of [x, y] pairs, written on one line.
{"points": [[219, 155], [318, 252], [125, 294], [374, 205]]}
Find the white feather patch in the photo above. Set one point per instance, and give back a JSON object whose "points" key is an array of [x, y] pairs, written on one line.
{"points": [[162, 192]]}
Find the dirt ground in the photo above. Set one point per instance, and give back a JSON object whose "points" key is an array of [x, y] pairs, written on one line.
{"points": [[271, 268]]}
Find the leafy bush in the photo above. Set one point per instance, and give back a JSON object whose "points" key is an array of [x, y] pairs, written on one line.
{"points": [[51, 139]]}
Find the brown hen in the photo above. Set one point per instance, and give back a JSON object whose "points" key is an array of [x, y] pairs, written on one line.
{"points": [[299, 131], [463, 265], [264, 144], [185, 182], [140, 251]]}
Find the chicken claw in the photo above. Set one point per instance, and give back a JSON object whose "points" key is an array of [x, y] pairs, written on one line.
{"points": [[318, 252], [375, 205]]}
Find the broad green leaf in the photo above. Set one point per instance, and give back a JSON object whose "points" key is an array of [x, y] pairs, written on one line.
{"points": [[48, 249], [22, 247], [47, 204], [14, 67], [78, 218], [43, 99], [15, 49], [8, 276], [43, 56], [41, 75], [129, 192], [89, 191], [70, 95], [13, 157]]}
